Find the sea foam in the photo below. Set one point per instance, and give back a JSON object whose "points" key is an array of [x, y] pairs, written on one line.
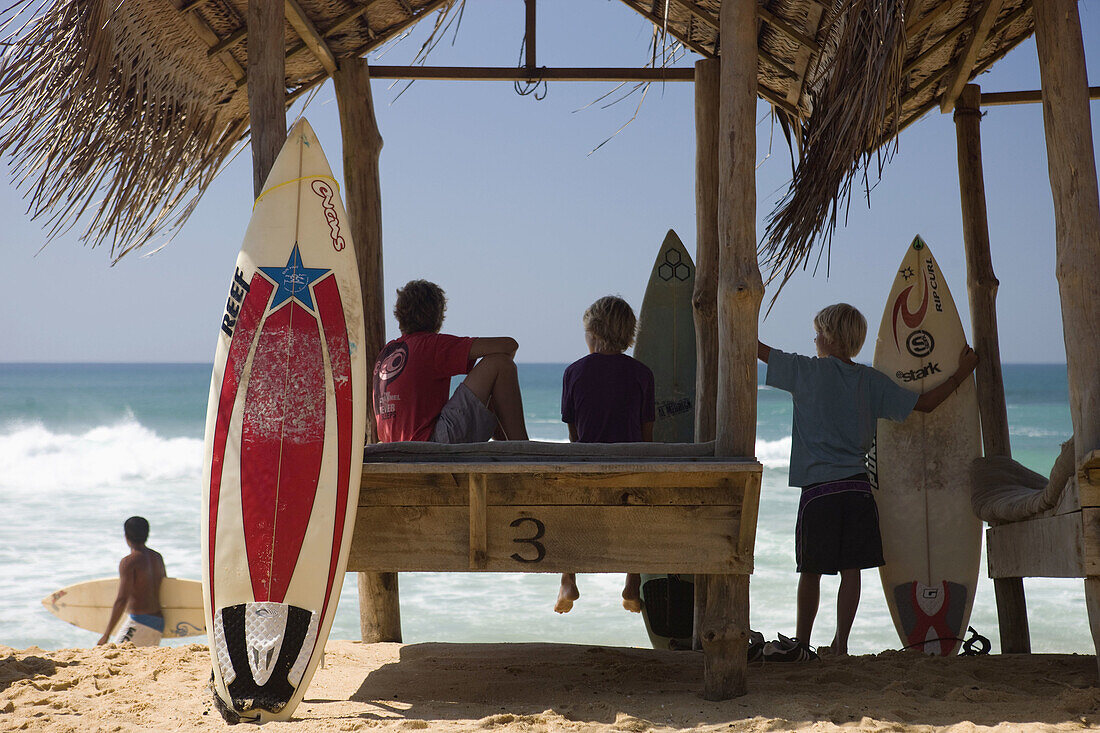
{"points": [[125, 452]]}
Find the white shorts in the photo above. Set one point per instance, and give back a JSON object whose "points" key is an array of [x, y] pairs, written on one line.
{"points": [[464, 419], [138, 633]]}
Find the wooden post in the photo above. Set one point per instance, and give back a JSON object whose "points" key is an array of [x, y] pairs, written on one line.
{"points": [[379, 605], [1071, 165], [704, 299], [266, 86], [740, 290], [981, 285]]}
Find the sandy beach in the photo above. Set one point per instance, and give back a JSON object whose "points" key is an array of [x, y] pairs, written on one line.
{"points": [[552, 687]]}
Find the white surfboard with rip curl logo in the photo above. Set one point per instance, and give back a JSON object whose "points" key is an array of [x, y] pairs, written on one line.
{"points": [[931, 539]]}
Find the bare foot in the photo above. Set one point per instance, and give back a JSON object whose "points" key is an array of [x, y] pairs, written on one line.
{"points": [[632, 599], [566, 595]]}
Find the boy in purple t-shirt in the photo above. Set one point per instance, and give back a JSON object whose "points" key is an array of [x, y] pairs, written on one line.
{"points": [[607, 397]]}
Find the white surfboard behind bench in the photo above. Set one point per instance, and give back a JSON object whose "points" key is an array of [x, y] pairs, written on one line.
{"points": [[931, 539]]}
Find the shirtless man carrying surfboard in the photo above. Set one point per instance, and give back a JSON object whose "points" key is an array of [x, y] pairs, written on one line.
{"points": [[139, 576]]}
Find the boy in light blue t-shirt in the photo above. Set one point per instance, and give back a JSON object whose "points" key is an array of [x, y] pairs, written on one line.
{"points": [[837, 404]]}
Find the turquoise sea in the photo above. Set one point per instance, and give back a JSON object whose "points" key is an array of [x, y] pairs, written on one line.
{"points": [[84, 446]]}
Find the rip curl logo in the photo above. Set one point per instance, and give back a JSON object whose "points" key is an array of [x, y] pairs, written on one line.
{"points": [[912, 319], [391, 362], [327, 195]]}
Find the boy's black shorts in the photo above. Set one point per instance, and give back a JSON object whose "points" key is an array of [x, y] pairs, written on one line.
{"points": [[837, 528]]}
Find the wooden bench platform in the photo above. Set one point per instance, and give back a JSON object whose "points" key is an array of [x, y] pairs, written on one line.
{"points": [[551, 508]]}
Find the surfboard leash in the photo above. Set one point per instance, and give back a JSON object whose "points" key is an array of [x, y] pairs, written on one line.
{"points": [[974, 646]]}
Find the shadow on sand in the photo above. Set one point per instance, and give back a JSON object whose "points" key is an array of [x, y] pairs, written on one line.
{"points": [[502, 683]]}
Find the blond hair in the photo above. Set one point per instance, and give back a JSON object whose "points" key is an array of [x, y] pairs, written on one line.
{"points": [[611, 323], [844, 326]]}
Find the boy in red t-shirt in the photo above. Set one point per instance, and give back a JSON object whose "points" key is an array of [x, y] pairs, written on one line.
{"points": [[412, 378]]}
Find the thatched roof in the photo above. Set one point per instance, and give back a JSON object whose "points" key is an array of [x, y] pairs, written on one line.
{"points": [[129, 108]]}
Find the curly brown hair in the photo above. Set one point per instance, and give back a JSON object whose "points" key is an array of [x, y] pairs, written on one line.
{"points": [[420, 307]]}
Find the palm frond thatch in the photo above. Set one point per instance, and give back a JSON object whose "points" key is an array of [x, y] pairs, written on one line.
{"points": [[858, 108], [96, 114]]}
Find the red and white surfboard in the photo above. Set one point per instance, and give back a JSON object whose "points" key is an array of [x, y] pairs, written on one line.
{"points": [[284, 439], [931, 540]]}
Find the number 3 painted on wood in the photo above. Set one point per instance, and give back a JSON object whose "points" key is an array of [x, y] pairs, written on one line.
{"points": [[540, 549]]}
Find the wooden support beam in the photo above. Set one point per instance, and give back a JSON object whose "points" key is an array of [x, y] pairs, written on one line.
{"points": [[789, 30], [990, 99], [1071, 164], [379, 601], [350, 17], [529, 36], [983, 24], [803, 56], [210, 38], [704, 299], [362, 148], [912, 30], [981, 281], [778, 65], [379, 612], [981, 287], [228, 42], [520, 73], [725, 626], [266, 86], [309, 34], [660, 22]]}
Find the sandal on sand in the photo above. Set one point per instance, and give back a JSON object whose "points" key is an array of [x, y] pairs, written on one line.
{"points": [[756, 646], [788, 649]]}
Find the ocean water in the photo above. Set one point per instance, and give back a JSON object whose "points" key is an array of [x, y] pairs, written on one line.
{"points": [[84, 446]]}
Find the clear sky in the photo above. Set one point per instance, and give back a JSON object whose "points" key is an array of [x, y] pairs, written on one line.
{"points": [[495, 196]]}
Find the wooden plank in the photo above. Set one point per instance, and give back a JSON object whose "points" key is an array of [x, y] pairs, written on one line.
{"points": [[704, 299], [309, 34], [266, 86], [750, 509], [479, 544], [628, 471], [1090, 528], [547, 539], [1088, 480], [536, 493], [982, 27], [504, 487], [1047, 547]]}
